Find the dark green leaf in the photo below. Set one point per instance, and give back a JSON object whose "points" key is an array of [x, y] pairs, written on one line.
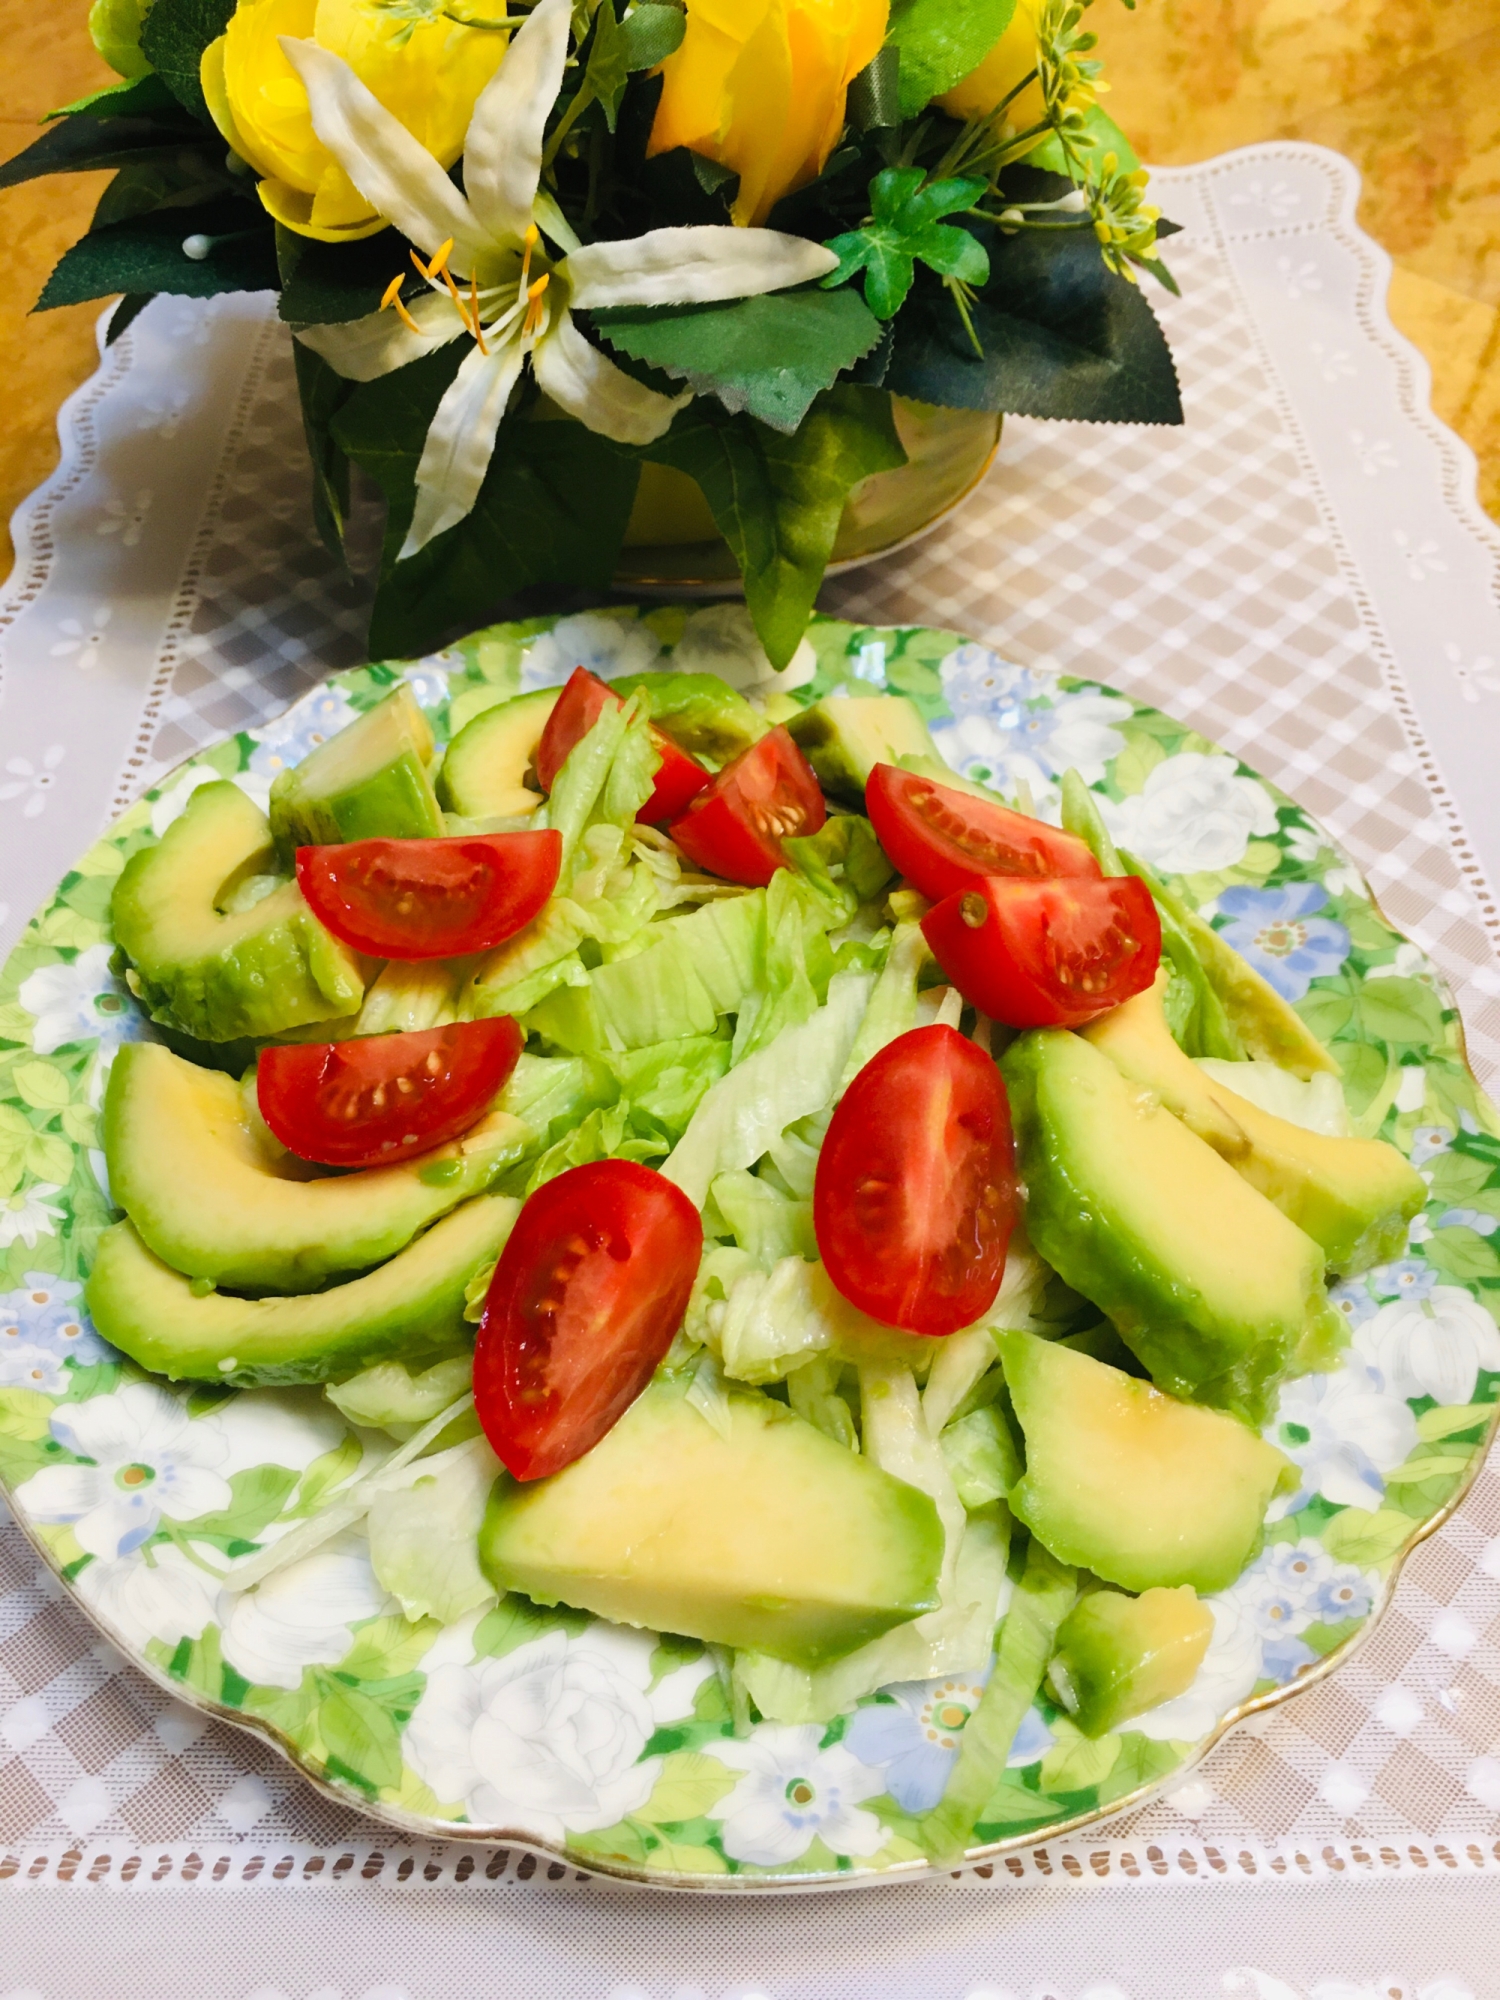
{"points": [[769, 355], [778, 500], [175, 34], [1061, 335], [185, 179], [652, 33], [873, 102], [552, 509], [131, 97], [906, 228], [133, 304], [323, 282], [145, 254], [82, 145], [609, 64], [940, 42]]}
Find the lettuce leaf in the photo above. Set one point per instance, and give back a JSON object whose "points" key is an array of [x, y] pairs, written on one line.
{"points": [[424, 1533]]}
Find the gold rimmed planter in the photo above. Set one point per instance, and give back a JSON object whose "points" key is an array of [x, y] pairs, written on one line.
{"points": [[671, 542]]}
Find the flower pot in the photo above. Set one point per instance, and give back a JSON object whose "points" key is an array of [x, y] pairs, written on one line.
{"points": [[671, 542]]}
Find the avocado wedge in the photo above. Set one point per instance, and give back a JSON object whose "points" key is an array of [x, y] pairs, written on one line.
{"points": [[412, 1307], [211, 1198]]}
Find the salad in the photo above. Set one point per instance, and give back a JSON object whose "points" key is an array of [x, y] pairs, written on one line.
{"points": [[763, 1186]]}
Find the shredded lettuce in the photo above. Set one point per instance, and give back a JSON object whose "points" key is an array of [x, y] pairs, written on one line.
{"points": [[953, 1640], [1043, 1597], [981, 1457], [893, 1004], [814, 1392], [770, 1322], [708, 1395], [387, 1397], [843, 863], [1317, 1104], [896, 1437], [404, 996], [962, 1358], [1081, 816], [764, 1221], [424, 1533], [786, 990], [747, 1111]]}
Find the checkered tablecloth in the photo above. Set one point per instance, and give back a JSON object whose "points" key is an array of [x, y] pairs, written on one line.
{"points": [[1301, 573]]}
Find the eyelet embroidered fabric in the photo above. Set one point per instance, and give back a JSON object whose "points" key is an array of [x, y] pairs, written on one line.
{"points": [[1302, 573]]}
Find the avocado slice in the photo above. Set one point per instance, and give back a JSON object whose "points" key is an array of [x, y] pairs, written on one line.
{"points": [[1118, 1656], [411, 1307], [700, 713], [1216, 1291], [487, 764], [768, 1535], [844, 738], [369, 780], [1127, 1482], [212, 971], [209, 1196], [1352, 1196]]}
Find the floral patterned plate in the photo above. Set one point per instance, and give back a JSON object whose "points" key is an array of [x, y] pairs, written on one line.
{"points": [[611, 1748]]}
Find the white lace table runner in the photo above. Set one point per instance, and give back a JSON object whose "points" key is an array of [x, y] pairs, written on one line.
{"points": [[1301, 572]]}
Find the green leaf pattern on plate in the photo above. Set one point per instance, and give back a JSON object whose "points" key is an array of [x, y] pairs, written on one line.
{"points": [[613, 1747]]}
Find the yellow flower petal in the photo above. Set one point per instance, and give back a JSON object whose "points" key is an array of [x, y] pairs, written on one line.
{"points": [[1002, 69]]}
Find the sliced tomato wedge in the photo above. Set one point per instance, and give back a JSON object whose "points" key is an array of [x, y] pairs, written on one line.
{"points": [[942, 839], [414, 899], [762, 797], [586, 1297], [1047, 954], [915, 1195], [376, 1099], [579, 706]]}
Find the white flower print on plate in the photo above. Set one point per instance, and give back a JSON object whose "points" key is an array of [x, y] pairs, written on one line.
{"points": [[793, 1793], [79, 1001], [147, 1460], [1195, 814], [550, 1735], [30, 1214], [303, 1615]]}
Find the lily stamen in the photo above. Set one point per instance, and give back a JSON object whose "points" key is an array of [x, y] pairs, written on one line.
{"points": [[478, 330], [534, 309], [392, 297], [528, 244]]}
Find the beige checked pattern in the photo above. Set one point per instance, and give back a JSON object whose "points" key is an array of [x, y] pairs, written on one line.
{"points": [[1200, 569]]}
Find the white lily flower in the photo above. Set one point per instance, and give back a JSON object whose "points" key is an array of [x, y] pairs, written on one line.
{"points": [[492, 280]]}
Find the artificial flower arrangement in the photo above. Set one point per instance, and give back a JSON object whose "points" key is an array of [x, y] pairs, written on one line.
{"points": [[531, 255]]}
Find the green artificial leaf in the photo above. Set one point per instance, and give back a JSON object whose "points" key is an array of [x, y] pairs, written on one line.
{"points": [[145, 254], [132, 97], [1061, 337], [608, 68], [940, 42], [769, 355], [906, 228], [1355, 1535], [131, 306], [1098, 135], [552, 509], [327, 282], [360, 1736], [651, 32], [83, 145], [778, 500], [173, 38]]}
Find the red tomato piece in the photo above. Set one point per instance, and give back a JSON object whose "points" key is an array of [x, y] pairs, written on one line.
{"points": [[579, 706], [588, 1292], [376, 1099], [764, 796], [413, 899], [1047, 954], [915, 1195], [942, 840]]}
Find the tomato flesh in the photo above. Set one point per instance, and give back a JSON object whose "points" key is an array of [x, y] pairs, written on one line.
{"points": [[942, 840], [589, 1290], [416, 899], [576, 710], [1047, 954], [376, 1099], [915, 1195], [766, 795]]}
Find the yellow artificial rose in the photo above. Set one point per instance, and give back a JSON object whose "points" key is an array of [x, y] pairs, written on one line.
{"points": [[1002, 69], [759, 86], [426, 72]]}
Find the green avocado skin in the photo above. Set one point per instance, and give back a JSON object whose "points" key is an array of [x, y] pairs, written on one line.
{"points": [[411, 1308], [1190, 1351]]}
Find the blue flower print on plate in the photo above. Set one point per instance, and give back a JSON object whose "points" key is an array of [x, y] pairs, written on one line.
{"points": [[1278, 932], [79, 1001], [1011, 726], [295, 735], [914, 1737], [46, 1314]]}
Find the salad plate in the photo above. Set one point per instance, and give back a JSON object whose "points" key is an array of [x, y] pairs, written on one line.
{"points": [[616, 1750]]}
